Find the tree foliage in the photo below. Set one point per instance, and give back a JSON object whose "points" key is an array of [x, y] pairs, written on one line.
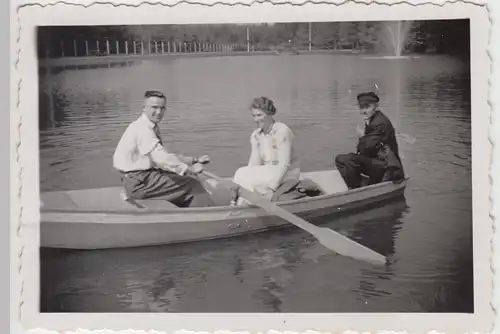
{"points": [[442, 36]]}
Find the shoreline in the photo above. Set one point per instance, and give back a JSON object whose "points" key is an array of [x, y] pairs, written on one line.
{"points": [[108, 61]]}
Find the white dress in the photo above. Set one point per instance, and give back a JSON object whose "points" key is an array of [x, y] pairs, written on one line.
{"points": [[272, 161]]}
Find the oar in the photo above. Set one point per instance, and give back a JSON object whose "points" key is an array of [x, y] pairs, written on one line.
{"points": [[407, 138], [327, 237]]}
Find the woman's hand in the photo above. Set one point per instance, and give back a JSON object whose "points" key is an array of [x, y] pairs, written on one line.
{"points": [[195, 169], [264, 191]]}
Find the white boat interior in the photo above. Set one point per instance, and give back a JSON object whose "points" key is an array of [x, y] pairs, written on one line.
{"points": [[113, 198]]}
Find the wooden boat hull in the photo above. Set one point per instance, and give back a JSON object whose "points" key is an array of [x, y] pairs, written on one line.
{"points": [[101, 229]]}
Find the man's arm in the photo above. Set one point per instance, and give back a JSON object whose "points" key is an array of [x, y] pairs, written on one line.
{"points": [[369, 143], [185, 159], [149, 144], [168, 161]]}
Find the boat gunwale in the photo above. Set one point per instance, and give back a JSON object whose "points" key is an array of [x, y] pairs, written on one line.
{"points": [[227, 208]]}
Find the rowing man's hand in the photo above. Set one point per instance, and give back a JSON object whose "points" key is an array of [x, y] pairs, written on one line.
{"points": [[195, 169], [204, 159]]}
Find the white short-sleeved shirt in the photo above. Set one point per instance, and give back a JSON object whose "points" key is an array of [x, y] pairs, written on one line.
{"points": [[138, 140]]}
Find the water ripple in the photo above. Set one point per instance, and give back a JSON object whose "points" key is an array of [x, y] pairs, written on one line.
{"points": [[428, 235]]}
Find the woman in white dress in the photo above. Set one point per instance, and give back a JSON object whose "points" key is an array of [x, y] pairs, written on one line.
{"points": [[272, 159]]}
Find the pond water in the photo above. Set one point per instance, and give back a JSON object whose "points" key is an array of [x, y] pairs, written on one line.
{"points": [[428, 233]]}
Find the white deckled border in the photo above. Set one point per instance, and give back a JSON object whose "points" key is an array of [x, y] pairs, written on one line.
{"points": [[24, 162], [171, 3], [494, 100]]}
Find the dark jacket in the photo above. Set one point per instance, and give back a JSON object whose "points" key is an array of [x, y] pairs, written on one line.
{"points": [[380, 141]]}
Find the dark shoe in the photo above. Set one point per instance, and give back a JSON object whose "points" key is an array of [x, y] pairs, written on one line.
{"points": [[398, 181], [394, 175]]}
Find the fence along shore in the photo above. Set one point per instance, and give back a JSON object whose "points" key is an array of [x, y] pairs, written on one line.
{"points": [[108, 52], [116, 52]]}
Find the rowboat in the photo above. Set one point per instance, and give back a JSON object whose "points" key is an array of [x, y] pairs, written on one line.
{"points": [[100, 218]]}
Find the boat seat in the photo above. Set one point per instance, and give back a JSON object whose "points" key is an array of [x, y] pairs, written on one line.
{"points": [[148, 203], [111, 198], [329, 182]]}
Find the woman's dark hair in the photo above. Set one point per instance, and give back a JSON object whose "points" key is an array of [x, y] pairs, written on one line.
{"points": [[265, 104]]}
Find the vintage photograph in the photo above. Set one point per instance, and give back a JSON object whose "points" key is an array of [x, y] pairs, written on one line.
{"points": [[270, 167]]}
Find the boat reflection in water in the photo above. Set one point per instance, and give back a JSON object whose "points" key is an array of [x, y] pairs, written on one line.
{"points": [[252, 273]]}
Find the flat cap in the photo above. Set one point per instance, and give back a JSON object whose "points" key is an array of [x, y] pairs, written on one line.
{"points": [[367, 97]]}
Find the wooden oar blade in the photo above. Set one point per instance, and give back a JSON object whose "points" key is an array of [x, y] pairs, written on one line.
{"points": [[347, 247], [330, 239]]}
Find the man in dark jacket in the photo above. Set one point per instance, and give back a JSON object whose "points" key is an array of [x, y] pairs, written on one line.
{"points": [[377, 153]]}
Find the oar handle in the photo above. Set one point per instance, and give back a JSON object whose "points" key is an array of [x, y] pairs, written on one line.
{"points": [[235, 190], [212, 176]]}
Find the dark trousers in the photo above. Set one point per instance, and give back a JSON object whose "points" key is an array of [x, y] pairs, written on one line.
{"points": [[351, 166], [181, 190]]}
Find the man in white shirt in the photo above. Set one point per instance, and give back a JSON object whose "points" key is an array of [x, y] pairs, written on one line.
{"points": [[149, 170]]}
